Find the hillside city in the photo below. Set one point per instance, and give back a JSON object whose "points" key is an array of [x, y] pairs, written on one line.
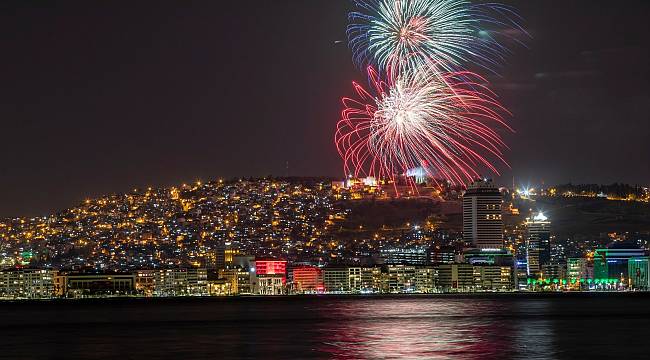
{"points": [[275, 236]]}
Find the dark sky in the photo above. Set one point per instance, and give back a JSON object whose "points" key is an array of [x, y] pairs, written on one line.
{"points": [[101, 97]]}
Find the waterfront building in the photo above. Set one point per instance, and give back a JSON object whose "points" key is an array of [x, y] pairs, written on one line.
{"points": [[538, 243], [493, 277], [269, 284], [172, 282], [638, 272], [482, 215], [27, 283], [307, 279], [239, 280], [576, 272], [456, 277], [99, 284], [336, 280], [612, 261], [553, 271]]}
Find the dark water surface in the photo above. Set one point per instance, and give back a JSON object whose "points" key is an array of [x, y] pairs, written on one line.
{"points": [[486, 327]]}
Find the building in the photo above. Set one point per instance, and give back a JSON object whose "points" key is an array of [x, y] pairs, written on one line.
{"points": [[172, 282], [405, 256], [238, 280], [307, 279], [553, 271], [336, 280], [612, 262], [538, 243], [269, 284], [443, 255], [456, 277], [411, 279], [493, 277], [576, 272], [482, 218], [638, 271], [270, 267], [27, 283], [99, 284], [366, 280]]}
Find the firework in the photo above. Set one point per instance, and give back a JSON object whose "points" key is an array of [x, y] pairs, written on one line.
{"points": [[407, 33], [441, 122]]}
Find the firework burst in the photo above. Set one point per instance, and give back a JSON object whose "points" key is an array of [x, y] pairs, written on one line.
{"points": [[407, 33], [422, 118]]}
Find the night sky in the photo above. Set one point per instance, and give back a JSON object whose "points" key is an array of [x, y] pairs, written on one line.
{"points": [[102, 97]]}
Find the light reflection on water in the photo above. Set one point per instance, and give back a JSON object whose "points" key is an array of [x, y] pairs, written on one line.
{"points": [[499, 327], [431, 329]]}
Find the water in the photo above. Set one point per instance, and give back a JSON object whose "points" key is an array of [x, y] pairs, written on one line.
{"points": [[480, 327]]}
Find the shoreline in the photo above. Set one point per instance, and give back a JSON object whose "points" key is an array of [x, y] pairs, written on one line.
{"points": [[326, 297]]}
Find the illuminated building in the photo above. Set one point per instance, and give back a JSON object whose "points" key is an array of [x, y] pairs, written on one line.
{"points": [[576, 269], [239, 280], [538, 243], [336, 280], [271, 267], [89, 284], [173, 282], [411, 279], [612, 262], [364, 280], [456, 277], [269, 284], [553, 271], [268, 277], [638, 272], [26, 283], [443, 255], [307, 279], [224, 255], [493, 277], [406, 256], [482, 218]]}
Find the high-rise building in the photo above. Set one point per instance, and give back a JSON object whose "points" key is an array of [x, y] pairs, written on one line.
{"points": [[482, 218], [538, 243]]}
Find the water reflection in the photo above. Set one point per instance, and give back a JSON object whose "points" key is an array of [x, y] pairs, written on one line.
{"points": [[418, 328], [502, 327]]}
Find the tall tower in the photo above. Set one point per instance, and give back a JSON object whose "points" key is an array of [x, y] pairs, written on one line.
{"points": [[482, 219], [538, 243]]}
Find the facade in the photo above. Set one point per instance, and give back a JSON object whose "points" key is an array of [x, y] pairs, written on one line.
{"points": [[172, 282], [411, 279], [27, 283], [456, 277], [336, 280], [89, 284], [538, 243], [307, 279], [638, 272], [269, 284], [270, 267], [493, 278], [405, 256], [238, 280], [482, 218], [612, 261]]}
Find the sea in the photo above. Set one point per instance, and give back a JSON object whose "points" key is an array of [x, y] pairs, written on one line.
{"points": [[493, 326]]}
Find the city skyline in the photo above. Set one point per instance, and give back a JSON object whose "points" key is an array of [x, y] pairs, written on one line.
{"points": [[109, 109]]}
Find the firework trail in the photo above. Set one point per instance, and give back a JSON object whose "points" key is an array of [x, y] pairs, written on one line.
{"points": [[408, 33], [440, 121]]}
